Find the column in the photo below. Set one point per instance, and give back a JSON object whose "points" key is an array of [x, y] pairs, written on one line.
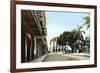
{"points": [[28, 49], [35, 46], [53, 46], [32, 50], [22, 46]]}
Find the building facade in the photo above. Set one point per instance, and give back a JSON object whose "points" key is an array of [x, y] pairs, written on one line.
{"points": [[33, 35], [54, 47]]}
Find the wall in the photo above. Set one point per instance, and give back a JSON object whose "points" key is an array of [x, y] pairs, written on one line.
{"points": [[5, 37]]}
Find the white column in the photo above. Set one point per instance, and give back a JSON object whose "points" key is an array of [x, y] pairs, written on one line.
{"points": [[52, 46], [55, 46], [25, 49], [34, 45]]}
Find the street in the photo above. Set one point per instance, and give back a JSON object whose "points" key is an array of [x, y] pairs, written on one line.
{"points": [[64, 57]]}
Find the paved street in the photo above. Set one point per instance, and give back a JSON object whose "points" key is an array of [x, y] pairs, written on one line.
{"points": [[64, 57]]}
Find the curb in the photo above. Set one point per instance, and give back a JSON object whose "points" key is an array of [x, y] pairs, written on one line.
{"points": [[45, 58]]}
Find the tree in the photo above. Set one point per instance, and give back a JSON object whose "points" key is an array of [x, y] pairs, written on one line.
{"points": [[87, 41], [70, 37], [78, 33], [64, 37], [87, 22]]}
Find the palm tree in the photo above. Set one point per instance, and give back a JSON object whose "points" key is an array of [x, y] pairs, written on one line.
{"points": [[78, 32], [78, 37], [87, 22]]}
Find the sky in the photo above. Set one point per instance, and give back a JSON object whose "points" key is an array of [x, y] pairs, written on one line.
{"points": [[58, 22]]}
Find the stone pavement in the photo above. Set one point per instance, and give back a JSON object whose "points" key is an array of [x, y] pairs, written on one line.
{"points": [[62, 57]]}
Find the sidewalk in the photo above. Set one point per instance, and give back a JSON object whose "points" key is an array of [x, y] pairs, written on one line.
{"points": [[80, 54], [41, 59]]}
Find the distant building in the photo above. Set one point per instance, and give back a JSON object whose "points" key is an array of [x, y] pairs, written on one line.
{"points": [[54, 47], [33, 35]]}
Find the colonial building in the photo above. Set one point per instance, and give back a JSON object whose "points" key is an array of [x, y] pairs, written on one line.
{"points": [[33, 35], [54, 47]]}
